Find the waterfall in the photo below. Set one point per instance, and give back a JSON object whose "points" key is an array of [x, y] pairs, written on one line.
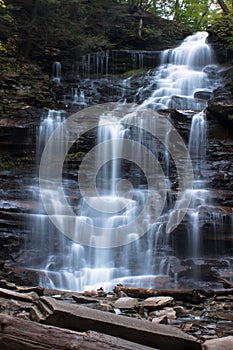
{"points": [[126, 85], [182, 81], [78, 98], [182, 74], [56, 73]]}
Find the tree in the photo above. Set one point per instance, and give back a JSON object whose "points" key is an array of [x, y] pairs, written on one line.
{"points": [[224, 6], [222, 24], [6, 20]]}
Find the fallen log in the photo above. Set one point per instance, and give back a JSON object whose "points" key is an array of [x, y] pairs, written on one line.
{"points": [[31, 297], [218, 292], [193, 296], [21, 334], [81, 318]]}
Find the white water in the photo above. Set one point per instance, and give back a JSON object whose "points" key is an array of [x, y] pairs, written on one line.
{"points": [[78, 98], [100, 64], [182, 73], [56, 73]]}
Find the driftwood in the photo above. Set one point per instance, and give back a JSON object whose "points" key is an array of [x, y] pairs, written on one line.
{"points": [[81, 318], [19, 334], [191, 296]]}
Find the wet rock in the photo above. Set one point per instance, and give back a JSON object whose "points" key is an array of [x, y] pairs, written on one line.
{"points": [[126, 303], [103, 306], [10, 294], [110, 296], [220, 106], [38, 290], [220, 109], [168, 312], [203, 95], [101, 292], [180, 310], [84, 300], [22, 334], [156, 302], [162, 319], [81, 318], [14, 307], [225, 343], [223, 315], [7, 285]]}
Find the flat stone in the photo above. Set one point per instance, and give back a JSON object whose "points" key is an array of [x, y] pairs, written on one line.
{"points": [[223, 316], [18, 333], [156, 302], [10, 294], [81, 299], [105, 307], [126, 303], [7, 285], [168, 311], [225, 343], [162, 320], [81, 318], [38, 290], [203, 95]]}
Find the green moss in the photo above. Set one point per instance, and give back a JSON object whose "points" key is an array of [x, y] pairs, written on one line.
{"points": [[8, 163], [75, 156], [134, 72]]}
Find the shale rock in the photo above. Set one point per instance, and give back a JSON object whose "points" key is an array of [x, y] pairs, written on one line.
{"points": [[156, 302]]}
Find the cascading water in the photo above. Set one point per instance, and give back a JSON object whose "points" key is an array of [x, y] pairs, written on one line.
{"points": [[184, 80], [101, 64], [78, 98], [183, 75], [56, 73]]}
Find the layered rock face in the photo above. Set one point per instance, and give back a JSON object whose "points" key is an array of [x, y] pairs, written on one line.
{"points": [[19, 202]]}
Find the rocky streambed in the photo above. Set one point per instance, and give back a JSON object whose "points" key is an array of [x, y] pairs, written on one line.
{"points": [[203, 318]]}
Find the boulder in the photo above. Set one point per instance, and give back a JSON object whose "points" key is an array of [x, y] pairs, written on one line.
{"points": [[126, 303], [225, 343], [203, 95], [156, 302]]}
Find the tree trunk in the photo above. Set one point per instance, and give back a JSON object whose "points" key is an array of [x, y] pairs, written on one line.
{"points": [[201, 19], [140, 25], [223, 6]]}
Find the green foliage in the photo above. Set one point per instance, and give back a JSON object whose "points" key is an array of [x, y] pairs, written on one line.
{"points": [[193, 14], [222, 26], [74, 156], [6, 43], [8, 163], [134, 72], [151, 33], [44, 28]]}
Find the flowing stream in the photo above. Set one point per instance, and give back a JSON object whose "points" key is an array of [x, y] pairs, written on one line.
{"points": [[184, 80]]}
